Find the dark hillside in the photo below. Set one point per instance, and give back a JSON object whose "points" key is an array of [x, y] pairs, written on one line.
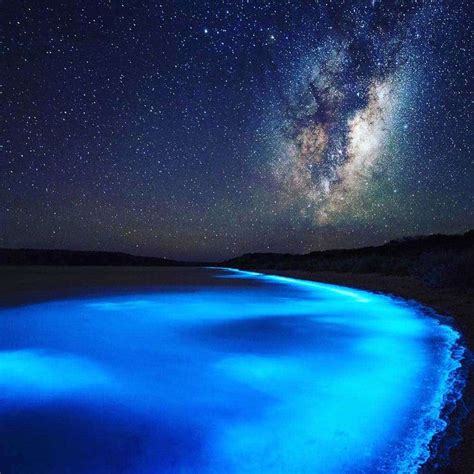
{"points": [[438, 260]]}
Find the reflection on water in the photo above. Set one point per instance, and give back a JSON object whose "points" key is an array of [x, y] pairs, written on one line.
{"points": [[257, 374]]}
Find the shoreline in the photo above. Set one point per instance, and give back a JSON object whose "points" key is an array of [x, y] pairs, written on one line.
{"points": [[33, 284], [451, 307]]}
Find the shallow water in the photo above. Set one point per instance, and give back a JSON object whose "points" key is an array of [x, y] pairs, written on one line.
{"points": [[240, 372]]}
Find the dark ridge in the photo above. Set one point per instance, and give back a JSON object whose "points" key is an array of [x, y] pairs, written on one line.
{"points": [[438, 260], [81, 258]]}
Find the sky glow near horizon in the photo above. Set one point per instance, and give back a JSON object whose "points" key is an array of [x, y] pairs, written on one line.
{"points": [[263, 374]]}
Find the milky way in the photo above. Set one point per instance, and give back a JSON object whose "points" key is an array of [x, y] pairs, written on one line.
{"points": [[210, 129], [344, 108], [330, 163]]}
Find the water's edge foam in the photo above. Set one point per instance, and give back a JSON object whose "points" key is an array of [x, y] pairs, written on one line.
{"points": [[436, 447], [453, 410]]}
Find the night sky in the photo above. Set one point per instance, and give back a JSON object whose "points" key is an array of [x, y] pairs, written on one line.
{"points": [[204, 130]]}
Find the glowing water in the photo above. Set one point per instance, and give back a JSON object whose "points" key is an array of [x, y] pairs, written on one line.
{"points": [[253, 374]]}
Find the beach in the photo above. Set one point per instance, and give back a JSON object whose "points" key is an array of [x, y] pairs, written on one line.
{"points": [[35, 284]]}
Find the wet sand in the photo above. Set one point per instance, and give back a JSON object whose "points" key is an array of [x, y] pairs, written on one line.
{"points": [[20, 285]]}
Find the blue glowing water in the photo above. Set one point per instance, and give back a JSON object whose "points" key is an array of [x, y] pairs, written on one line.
{"points": [[243, 373]]}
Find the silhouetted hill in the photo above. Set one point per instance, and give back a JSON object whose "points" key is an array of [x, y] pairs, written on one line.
{"points": [[439, 260], [75, 257]]}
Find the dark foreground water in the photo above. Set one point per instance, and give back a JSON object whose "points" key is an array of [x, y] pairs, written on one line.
{"points": [[236, 373]]}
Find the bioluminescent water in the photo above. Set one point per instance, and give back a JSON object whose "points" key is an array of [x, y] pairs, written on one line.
{"points": [[238, 373]]}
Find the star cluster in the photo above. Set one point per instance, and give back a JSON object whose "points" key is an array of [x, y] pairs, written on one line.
{"points": [[202, 130]]}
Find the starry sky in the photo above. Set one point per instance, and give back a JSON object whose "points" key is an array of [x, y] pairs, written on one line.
{"points": [[208, 129]]}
